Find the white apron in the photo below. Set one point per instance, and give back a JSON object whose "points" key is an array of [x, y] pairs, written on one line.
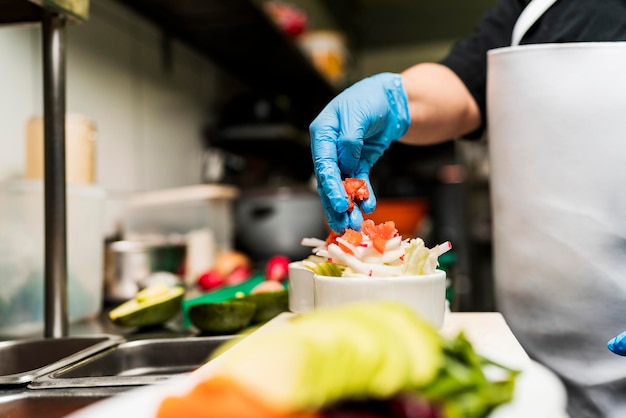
{"points": [[557, 141]]}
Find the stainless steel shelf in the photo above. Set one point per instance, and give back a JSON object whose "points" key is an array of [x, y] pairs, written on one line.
{"points": [[29, 11], [240, 38]]}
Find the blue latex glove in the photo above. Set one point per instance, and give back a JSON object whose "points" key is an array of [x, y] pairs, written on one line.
{"points": [[618, 344], [349, 136]]}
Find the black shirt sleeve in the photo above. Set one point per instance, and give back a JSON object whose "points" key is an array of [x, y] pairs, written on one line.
{"points": [[565, 21], [468, 56]]}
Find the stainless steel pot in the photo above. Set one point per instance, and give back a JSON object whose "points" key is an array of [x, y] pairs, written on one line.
{"points": [[126, 264], [273, 221], [129, 265]]}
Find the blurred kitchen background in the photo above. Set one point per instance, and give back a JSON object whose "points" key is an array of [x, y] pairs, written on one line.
{"points": [[188, 123]]}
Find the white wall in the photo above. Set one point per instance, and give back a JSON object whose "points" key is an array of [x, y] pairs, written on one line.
{"points": [[148, 115]]}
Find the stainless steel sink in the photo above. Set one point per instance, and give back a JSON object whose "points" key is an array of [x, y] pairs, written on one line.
{"points": [[21, 361], [134, 363], [49, 403]]}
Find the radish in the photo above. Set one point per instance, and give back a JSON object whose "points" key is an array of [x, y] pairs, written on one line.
{"points": [[277, 268], [210, 279]]}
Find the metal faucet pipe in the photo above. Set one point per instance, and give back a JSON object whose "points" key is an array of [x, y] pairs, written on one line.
{"points": [[55, 235]]}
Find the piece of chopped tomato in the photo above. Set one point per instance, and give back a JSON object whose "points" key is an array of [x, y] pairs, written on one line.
{"points": [[356, 189], [332, 238], [221, 398], [379, 234], [353, 237]]}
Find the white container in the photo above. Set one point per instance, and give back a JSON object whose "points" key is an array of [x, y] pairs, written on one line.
{"points": [[425, 294], [22, 254], [301, 288], [179, 211]]}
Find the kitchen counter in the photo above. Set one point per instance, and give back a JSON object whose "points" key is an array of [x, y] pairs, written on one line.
{"points": [[489, 333]]}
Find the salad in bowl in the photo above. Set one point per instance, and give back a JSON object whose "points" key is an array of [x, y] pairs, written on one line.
{"points": [[375, 251], [373, 264]]}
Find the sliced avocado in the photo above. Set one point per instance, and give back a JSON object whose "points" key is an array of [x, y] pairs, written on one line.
{"points": [[329, 355], [392, 373], [357, 353], [281, 354], [268, 304], [423, 341], [417, 348], [154, 305], [222, 317]]}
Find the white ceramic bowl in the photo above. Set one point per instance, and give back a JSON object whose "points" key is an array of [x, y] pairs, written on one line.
{"points": [[301, 288], [426, 294]]}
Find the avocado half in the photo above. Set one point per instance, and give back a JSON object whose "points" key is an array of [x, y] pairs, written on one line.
{"points": [[222, 317], [154, 305]]}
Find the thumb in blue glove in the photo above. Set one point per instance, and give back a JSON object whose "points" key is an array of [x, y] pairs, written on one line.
{"points": [[349, 136], [618, 344]]}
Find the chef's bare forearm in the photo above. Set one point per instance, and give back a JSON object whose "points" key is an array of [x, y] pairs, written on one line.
{"points": [[440, 105]]}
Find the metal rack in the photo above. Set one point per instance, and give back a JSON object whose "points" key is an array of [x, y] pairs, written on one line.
{"points": [[53, 16], [240, 38]]}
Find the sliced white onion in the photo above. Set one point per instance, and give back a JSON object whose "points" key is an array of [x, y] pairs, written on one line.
{"points": [[387, 257], [394, 242], [313, 242]]}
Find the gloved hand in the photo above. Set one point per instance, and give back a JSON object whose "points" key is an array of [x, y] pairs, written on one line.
{"points": [[349, 136], [618, 344]]}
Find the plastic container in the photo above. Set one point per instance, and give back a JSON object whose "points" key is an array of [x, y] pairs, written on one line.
{"points": [[80, 149], [22, 254], [159, 215]]}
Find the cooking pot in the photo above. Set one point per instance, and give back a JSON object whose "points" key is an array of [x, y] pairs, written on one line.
{"points": [[273, 221]]}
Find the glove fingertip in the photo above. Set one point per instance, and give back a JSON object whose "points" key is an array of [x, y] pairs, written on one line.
{"points": [[618, 344], [337, 221], [368, 205], [337, 225], [355, 219]]}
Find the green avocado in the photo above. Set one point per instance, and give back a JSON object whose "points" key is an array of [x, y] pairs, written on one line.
{"points": [[413, 363], [222, 317], [357, 354], [268, 304], [152, 306]]}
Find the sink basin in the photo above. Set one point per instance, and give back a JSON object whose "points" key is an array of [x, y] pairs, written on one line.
{"points": [[21, 361], [134, 363], [49, 404]]}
